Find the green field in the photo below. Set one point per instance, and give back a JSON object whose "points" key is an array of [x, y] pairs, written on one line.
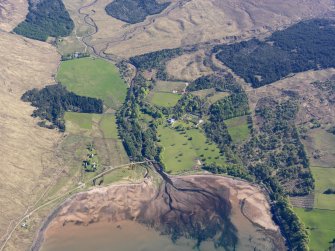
{"points": [[182, 151], [210, 94], [238, 129], [324, 179], [320, 221], [95, 78], [165, 99], [75, 121], [108, 126], [321, 225], [166, 94]]}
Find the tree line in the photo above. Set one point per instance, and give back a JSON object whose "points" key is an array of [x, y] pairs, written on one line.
{"points": [[53, 101], [304, 46]]}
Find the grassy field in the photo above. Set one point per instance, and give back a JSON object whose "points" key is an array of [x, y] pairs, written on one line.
{"points": [[169, 86], [182, 152], [320, 221], [165, 99], [108, 126], [238, 129], [93, 78], [217, 96], [210, 94], [321, 225], [319, 140], [324, 179], [77, 121], [99, 129], [162, 94]]}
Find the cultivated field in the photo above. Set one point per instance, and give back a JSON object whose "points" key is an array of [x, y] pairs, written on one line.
{"points": [[95, 78], [186, 151]]}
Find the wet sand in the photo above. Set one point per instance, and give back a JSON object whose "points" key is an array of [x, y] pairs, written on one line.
{"points": [[207, 208], [123, 235]]}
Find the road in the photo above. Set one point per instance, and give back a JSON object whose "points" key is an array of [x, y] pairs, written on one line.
{"points": [[30, 212]]}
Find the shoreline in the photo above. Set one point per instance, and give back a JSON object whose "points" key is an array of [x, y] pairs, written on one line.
{"points": [[237, 191]]}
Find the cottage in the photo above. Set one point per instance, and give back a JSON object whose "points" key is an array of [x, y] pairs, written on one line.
{"points": [[171, 121]]}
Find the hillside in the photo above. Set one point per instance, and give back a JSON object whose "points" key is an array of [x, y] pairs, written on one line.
{"points": [[162, 98], [26, 149], [45, 18], [12, 13], [305, 46], [183, 23]]}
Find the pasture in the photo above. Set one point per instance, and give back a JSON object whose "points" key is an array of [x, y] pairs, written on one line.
{"points": [[165, 99], [166, 93], [95, 78], [321, 226], [238, 129], [186, 150], [324, 179], [210, 94]]}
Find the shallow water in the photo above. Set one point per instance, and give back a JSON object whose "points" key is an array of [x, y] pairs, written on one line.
{"points": [[124, 235]]}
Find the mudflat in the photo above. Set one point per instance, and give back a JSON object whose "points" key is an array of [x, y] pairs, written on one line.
{"points": [[236, 212]]}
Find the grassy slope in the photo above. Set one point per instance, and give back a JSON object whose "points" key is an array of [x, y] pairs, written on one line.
{"points": [[93, 78], [181, 154], [238, 129]]}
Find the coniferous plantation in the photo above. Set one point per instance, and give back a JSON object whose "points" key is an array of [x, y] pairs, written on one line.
{"points": [[305, 46], [134, 11], [46, 18], [54, 100]]}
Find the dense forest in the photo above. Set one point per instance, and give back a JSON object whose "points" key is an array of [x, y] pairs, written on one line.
{"points": [[54, 100], [139, 142], [134, 11], [301, 47], [46, 18]]}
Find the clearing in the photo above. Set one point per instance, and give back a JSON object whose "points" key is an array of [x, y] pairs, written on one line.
{"points": [[95, 78], [186, 150], [166, 93], [238, 129]]}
